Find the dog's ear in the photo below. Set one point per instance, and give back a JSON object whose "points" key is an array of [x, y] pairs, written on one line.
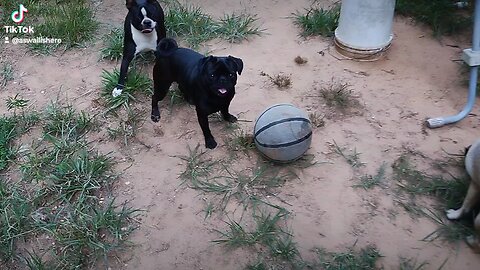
{"points": [[206, 61], [237, 63], [130, 3]]}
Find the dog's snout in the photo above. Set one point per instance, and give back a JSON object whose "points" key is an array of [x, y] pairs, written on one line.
{"points": [[147, 23], [223, 80]]}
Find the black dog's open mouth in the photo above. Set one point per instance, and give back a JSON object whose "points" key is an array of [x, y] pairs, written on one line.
{"points": [[222, 91], [147, 31]]}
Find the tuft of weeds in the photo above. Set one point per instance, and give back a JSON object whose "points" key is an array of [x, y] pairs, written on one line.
{"points": [[6, 74], [72, 22], [127, 127], [240, 142], [369, 181], [35, 262], [235, 28], [364, 259], [190, 23], [300, 60], [447, 230], [281, 80], [197, 165], [136, 82], [267, 232], [113, 41], [316, 119], [352, 158], [175, 96], [14, 103], [338, 95], [441, 15], [318, 21], [411, 264]]}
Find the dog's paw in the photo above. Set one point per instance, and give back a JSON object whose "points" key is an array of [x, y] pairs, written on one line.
{"points": [[454, 214], [230, 118], [155, 117], [117, 92], [210, 143]]}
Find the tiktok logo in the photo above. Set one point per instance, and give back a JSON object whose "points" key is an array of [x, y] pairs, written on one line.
{"points": [[18, 15]]}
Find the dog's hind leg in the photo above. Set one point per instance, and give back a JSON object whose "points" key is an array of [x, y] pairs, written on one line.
{"points": [[473, 240], [473, 195]]}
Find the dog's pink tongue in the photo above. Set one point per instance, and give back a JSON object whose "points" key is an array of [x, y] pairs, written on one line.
{"points": [[222, 91]]}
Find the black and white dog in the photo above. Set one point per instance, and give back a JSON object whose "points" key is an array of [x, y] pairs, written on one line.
{"points": [[144, 28]]}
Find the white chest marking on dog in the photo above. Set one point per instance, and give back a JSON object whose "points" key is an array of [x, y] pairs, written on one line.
{"points": [[144, 42]]}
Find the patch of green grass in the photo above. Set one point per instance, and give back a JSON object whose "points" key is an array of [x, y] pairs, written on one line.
{"points": [[65, 198], [352, 158], [318, 21], [441, 15], [364, 259], [369, 181], [136, 83], [6, 74], [73, 22], [127, 126], [190, 23], [7, 134], [15, 209], [448, 192], [65, 122], [235, 28], [113, 49]]}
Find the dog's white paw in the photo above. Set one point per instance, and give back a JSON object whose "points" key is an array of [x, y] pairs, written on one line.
{"points": [[454, 214], [116, 92]]}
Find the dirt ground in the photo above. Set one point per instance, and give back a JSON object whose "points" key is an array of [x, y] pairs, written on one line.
{"points": [[416, 79]]}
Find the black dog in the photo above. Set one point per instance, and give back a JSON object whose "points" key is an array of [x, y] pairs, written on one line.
{"points": [[206, 82], [144, 28]]}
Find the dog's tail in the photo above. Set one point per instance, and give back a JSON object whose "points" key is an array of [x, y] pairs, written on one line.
{"points": [[166, 47]]}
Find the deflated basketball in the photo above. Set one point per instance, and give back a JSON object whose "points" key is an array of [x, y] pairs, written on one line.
{"points": [[283, 133]]}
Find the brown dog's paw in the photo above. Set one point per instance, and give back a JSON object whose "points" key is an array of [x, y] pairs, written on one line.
{"points": [[210, 143]]}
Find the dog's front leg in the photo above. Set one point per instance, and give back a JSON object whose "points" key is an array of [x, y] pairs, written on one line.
{"points": [[210, 142], [473, 196], [127, 58], [227, 116]]}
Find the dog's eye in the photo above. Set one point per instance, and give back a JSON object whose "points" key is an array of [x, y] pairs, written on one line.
{"points": [[231, 75], [212, 76]]}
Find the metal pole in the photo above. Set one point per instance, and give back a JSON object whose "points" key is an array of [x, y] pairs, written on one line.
{"points": [[472, 87]]}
